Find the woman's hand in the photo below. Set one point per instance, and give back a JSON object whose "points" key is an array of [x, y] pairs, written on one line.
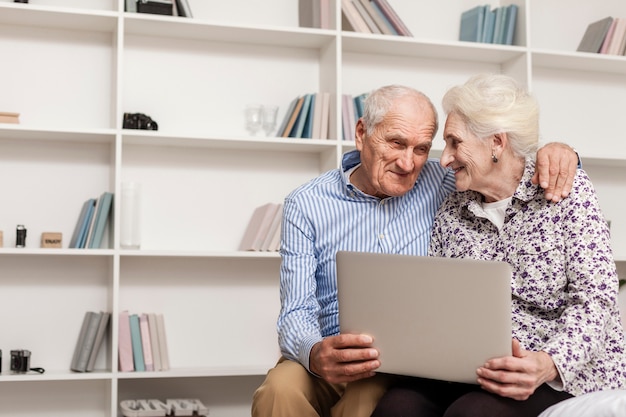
{"points": [[517, 376]]}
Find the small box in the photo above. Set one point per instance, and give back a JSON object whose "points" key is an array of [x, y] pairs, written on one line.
{"points": [[155, 7], [51, 239], [1, 240]]}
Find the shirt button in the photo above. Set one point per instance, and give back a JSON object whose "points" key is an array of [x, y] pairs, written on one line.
{"points": [[381, 236]]}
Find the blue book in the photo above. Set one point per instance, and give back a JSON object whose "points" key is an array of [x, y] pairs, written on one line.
{"points": [[102, 215], [298, 128], [509, 25], [82, 236], [498, 28], [79, 224], [490, 20], [472, 24], [135, 338], [307, 132]]}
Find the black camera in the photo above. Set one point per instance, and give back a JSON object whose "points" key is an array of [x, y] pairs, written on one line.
{"points": [[139, 121], [20, 361]]}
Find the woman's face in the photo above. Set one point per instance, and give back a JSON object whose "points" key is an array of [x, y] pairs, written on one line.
{"points": [[469, 156]]}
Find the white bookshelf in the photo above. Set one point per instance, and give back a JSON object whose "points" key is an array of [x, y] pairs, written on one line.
{"points": [[72, 68]]}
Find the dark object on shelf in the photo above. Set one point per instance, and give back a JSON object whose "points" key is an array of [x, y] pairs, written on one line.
{"points": [[20, 1], [139, 121], [156, 7], [20, 361], [20, 236]]}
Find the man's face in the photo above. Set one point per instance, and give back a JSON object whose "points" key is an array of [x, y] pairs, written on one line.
{"points": [[393, 156]]}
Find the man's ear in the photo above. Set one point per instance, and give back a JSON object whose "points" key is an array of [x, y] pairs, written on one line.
{"points": [[359, 134]]}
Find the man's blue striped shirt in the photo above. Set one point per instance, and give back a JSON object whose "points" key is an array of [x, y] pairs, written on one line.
{"points": [[329, 214]]}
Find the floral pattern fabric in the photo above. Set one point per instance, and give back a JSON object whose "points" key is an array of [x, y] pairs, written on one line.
{"points": [[564, 284]]}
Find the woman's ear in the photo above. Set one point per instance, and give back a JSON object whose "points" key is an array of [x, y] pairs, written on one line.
{"points": [[499, 142]]}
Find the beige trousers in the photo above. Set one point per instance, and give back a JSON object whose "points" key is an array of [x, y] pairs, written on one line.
{"points": [[289, 390]]}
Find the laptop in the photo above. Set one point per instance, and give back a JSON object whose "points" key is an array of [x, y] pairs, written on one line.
{"points": [[437, 318]]}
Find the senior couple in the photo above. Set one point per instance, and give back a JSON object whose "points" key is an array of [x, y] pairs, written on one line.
{"points": [[531, 208]]}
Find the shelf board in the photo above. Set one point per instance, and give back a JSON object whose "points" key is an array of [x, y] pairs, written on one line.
{"points": [[412, 47], [58, 17], [11, 131], [579, 61], [153, 138], [176, 27], [221, 371], [200, 254]]}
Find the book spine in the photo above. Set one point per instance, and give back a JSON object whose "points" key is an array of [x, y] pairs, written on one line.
{"points": [[146, 342], [135, 337]]}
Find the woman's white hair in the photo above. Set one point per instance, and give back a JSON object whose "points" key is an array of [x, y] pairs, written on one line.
{"points": [[495, 103]]}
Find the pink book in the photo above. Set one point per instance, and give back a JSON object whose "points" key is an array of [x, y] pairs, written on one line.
{"points": [[146, 342], [607, 39], [125, 348]]}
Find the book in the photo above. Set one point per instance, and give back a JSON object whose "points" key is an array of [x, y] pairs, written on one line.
{"points": [[82, 237], [258, 226], [7, 117], [383, 17], [366, 17], [182, 6], [359, 105], [325, 14], [130, 6], [271, 231], [81, 340], [146, 342], [274, 244], [135, 339], [293, 117], [165, 356], [354, 19], [125, 345], [383, 25], [81, 222], [498, 26], [619, 32], [99, 340], [594, 35], [298, 128], [325, 115], [317, 117], [309, 14], [307, 131], [510, 23], [607, 39], [154, 341], [346, 103], [80, 365], [472, 24], [101, 218], [288, 112], [488, 25], [92, 224], [392, 16]]}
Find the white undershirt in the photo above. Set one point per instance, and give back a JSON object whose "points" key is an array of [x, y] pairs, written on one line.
{"points": [[495, 211]]}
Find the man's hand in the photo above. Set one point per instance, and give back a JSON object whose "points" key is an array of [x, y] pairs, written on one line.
{"points": [[555, 170], [517, 376], [344, 358]]}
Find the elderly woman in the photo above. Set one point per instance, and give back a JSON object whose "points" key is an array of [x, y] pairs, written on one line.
{"points": [[567, 335]]}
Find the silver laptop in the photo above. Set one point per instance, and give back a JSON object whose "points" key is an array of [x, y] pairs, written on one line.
{"points": [[438, 318]]}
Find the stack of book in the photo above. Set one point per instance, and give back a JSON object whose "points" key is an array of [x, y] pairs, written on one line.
{"points": [[372, 16], [351, 112], [307, 117], [486, 25], [92, 221], [142, 343], [605, 36], [90, 339], [263, 230]]}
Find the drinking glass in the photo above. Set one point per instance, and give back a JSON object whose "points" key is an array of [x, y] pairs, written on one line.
{"points": [[254, 118], [269, 118]]}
